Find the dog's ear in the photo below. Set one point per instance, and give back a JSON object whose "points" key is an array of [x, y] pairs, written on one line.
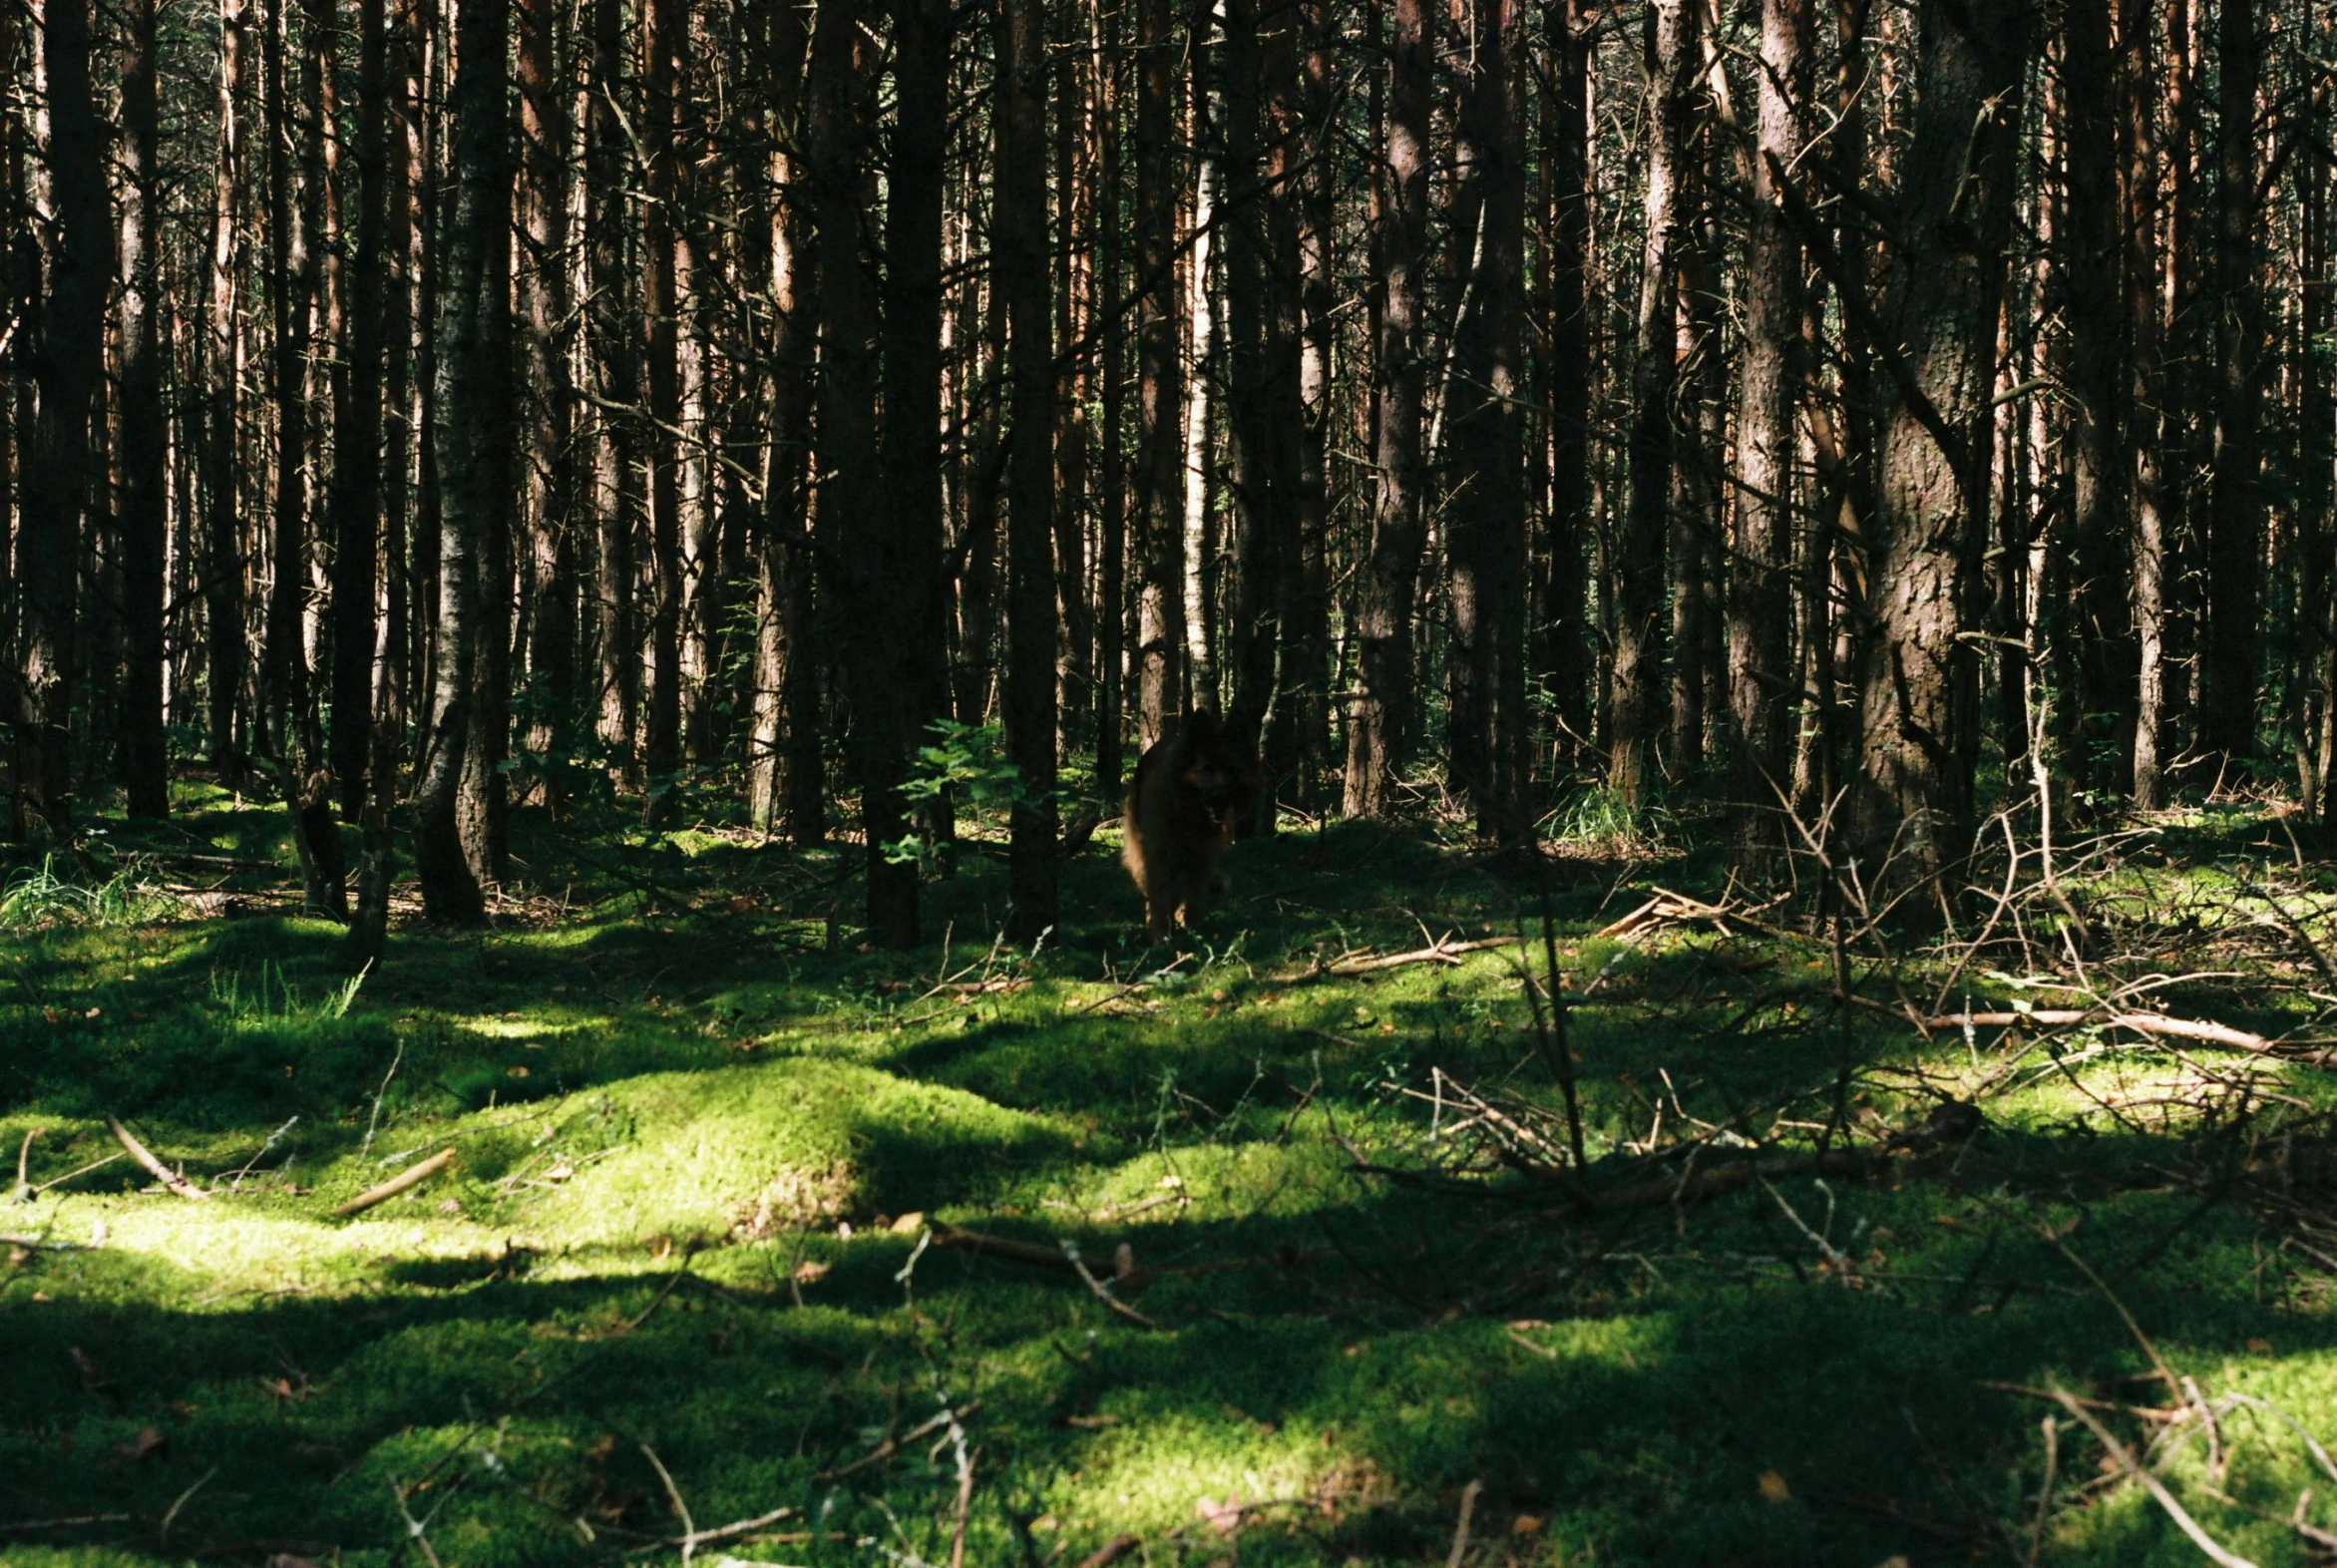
{"points": [[1202, 725]]}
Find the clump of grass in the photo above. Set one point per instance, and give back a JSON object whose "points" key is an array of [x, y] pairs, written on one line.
{"points": [[1600, 822], [38, 898], [271, 999]]}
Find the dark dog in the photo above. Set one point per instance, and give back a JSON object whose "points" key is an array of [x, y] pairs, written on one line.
{"points": [[1194, 789]]}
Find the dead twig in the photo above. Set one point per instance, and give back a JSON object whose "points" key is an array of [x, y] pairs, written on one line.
{"points": [[153, 1167], [2165, 1499], [24, 1154], [1461, 1534], [892, 1445], [1110, 1552], [412, 1176], [2203, 1031]]}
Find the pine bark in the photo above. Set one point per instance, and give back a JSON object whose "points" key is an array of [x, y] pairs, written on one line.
{"points": [[1912, 804], [1487, 675], [860, 541], [2100, 631], [223, 634], [1377, 741], [145, 501], [1759, 611], [2235, 516], [1159, 489], [1639, 632], [473, 435], [68, 365], [1020, 228], [665, 34]]}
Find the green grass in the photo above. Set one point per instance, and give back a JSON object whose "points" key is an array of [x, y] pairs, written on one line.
{"points": [[696, 1153]]}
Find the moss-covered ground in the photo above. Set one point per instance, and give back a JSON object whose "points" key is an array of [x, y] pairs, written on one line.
{"points": [[691, 1266]]}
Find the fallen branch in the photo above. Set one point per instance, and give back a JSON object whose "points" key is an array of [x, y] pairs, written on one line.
{"points": [[1126, 1272], [153, 1167], [2200, 1029], [412, 1176], [1110, 1552], [2151, 1483], [1435, 952]]}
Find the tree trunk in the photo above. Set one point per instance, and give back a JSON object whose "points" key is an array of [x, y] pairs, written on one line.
{"points": [[2235, 516], [912, 439], [1021, 229], [618, 455], [1112, 513], [1562, 651], [473, 433], [1376, 718], [1487, 675], [223, 373], [1762, 684], [1912, 804], [1299, 736], [860, 541], [145, 763], [546, 138], [68, 363], [2102, 627], [1160, 619], [664, 32], [357, 491], [2145, 423], [1639, 632]]}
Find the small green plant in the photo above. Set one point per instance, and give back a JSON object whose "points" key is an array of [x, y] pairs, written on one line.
{"points": [[38, 898], [967, 760], [272, 999]]}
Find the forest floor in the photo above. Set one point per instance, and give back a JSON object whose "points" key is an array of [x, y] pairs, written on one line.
{"points": [[697, 1281]]}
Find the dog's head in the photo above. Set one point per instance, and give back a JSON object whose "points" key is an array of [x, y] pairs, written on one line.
{"points": [[1220, 770]]}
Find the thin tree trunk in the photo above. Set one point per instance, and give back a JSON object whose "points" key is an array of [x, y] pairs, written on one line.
{"points": [[222, 366], [618, 499], [1639, 632], [1762, 684], [1160, 619], [912, 434], [2146, 422], [545, 139], [860, 541], [1299, 736], [357, 436], [472, 432], [1376, 740], [1200, 647], [2102, 629], [1112, 520], [1020, 230], [1563, 652], [2235, 519], [1486, 513], [145, 763], [68, 368], [665, 34]]}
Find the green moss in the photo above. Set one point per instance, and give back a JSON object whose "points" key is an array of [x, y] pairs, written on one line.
{"points": [[682, 1139]]}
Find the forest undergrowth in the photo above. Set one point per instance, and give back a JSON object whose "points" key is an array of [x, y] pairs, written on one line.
{"points": [[1993, 1231]]}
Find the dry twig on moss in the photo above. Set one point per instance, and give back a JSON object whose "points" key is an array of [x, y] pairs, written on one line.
{"points": [[153, 1167], [412, 1176]]}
